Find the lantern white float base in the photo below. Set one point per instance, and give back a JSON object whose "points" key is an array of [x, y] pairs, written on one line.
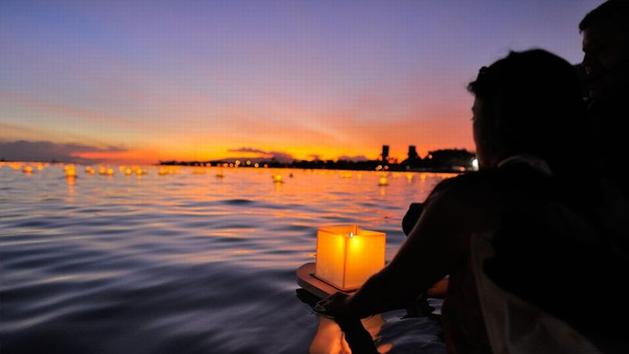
{"points": [[317, 287]]}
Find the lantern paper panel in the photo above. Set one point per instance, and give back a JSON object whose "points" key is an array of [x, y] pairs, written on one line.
{"points": [[348, 255]]}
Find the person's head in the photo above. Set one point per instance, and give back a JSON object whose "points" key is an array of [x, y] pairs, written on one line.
{"points": [[605, 33], [528, 103]]}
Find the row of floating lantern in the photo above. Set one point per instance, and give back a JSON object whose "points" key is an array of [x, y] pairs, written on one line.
{"points": [[27, 169], [70, 171]]}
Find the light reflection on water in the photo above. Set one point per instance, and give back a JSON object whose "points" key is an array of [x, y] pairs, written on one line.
{"points": [[184, 262]]}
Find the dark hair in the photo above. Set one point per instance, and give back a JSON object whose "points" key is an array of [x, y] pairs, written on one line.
{"points": [[532, 103], [613, 13]]}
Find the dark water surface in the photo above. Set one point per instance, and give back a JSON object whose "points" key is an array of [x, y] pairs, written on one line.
{"points": [[185, 263]]}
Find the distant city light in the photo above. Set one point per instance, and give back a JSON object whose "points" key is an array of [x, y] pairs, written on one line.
{"points": [[475, 164]]}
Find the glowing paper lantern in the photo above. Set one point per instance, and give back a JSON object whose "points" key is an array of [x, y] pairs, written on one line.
{"points": [[382, 181], [277, 179], [70, 171], [27, 170], [348, 255]]}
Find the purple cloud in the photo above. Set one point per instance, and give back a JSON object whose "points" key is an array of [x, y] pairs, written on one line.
{"points": [[24, 150]]}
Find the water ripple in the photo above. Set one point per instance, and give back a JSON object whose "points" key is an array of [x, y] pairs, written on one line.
{"points": [[182, 263]]}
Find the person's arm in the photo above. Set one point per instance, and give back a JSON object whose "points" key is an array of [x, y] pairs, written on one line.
{"points": [[434, 249]]}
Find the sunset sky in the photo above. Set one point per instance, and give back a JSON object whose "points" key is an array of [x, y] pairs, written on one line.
{"points": [[146, 80]]}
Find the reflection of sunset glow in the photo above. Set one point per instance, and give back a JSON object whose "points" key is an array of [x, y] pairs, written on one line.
{"points": [[329, 339]]}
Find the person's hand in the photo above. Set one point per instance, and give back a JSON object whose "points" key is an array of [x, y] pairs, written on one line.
{"points": [[335, 305]]}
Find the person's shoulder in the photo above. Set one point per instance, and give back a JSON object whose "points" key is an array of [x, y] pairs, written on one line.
{"points": [[468, 182], [469, 188], [469, 198]]}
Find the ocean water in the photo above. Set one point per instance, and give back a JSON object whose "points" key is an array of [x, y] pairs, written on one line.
{"points": [[182, 263]]}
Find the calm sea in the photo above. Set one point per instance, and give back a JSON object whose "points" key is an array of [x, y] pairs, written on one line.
{"points": [[181, 263]]}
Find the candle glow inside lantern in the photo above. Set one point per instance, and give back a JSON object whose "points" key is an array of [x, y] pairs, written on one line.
{"points": [[348, 255]]}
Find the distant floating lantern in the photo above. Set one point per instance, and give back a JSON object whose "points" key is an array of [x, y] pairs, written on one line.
{"points": [[277, 179], [256, 165], [409, 177], [383, 181], [40, 166], [139, 171], [27, 170], [128, 171], [348, 255], [220, 174], [90, 170], [346, 175], [70, 171]]}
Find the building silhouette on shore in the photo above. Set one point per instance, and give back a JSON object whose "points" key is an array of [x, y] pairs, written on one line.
{"points": [[442, 160], [384, 156], [412, 160]]}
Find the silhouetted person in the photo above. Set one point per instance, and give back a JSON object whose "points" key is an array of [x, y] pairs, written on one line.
{"points": [[529, 120], [605, 33]]}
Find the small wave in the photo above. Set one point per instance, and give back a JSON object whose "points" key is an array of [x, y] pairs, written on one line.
{"points": [[238, 201]]}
